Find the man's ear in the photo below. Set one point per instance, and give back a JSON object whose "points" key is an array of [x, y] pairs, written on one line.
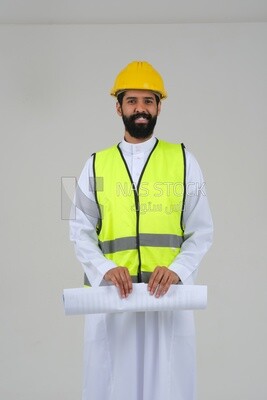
{"points": [[159, 107], [118, 107]]}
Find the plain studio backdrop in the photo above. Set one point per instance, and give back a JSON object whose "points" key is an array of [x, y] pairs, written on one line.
{"points": [[56, 111]]}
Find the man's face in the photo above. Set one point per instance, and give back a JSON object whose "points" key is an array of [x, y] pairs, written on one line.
{"points": [[139, 112]]}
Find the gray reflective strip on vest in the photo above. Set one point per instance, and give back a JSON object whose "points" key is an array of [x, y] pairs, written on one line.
{"points": [[144, 275], [145, 239], [112, 246], [160, 240]]}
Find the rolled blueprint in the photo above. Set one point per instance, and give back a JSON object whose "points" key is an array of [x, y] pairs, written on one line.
{"points": [[106, 299]]}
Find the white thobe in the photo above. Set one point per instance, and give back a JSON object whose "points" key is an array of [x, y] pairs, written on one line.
{"points": [[148, 355]]}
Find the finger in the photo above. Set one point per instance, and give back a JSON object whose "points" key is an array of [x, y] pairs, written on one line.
{"points": [[110, 276], [164, 285], [151, 281], [155, 280], [120, 277], [169, 278], [125, 282], [128, 281], [128, 286], [113, 278], [116, 279]]}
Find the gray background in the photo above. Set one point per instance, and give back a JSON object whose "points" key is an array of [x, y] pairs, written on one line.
{"points": [[55, 111]]}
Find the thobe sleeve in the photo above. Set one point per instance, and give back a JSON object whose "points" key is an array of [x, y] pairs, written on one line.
{"points": [[197, 222], [83, 228]]}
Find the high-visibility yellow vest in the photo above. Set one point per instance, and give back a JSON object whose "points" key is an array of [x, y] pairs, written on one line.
{"points": [[141, 227]]}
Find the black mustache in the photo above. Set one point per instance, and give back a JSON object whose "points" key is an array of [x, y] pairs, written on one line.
{"points": [[141, 115]]}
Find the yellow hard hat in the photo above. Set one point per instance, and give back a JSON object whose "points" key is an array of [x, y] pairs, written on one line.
{"points": [[139, 75]]}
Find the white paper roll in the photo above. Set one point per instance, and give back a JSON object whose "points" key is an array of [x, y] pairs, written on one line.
{"points": [[106, 299]]}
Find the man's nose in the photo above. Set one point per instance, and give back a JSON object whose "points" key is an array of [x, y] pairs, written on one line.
{"points": [[140, 107]]}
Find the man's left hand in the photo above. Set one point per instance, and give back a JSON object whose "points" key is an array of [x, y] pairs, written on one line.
{"points": [[160, 281]]}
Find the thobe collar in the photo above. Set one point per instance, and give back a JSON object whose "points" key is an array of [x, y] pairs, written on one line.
{"points": [[135, 148]]}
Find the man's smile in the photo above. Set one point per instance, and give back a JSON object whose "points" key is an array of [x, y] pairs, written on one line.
{"points": [[141, 118]]}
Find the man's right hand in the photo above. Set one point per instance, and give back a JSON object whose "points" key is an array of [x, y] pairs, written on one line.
{"points": [[121, 278]]}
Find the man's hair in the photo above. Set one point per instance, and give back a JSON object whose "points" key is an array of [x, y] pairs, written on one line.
{"points": [[121, 95]]}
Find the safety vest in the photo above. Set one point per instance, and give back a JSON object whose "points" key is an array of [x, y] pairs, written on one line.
{"points": [[140, 227]]}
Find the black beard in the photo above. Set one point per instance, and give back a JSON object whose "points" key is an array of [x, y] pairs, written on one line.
{"points": [[140, 131]]}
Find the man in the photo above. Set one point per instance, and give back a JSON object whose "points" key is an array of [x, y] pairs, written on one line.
{"points": [[142, 215]]}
